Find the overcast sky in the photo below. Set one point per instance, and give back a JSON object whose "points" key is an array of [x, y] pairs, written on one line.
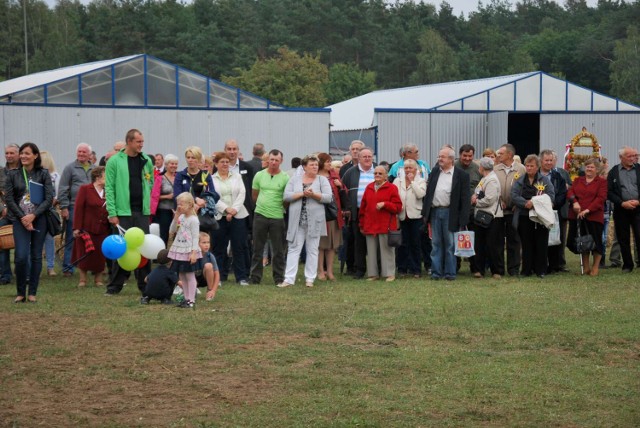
{"points": [[464, 6]]}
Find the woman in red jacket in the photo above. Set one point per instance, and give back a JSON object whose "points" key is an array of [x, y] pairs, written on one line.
{"points": [[587, 196], [378, 214], [90, 216]]}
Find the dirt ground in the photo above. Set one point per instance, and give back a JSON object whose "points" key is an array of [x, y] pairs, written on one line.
{"points": [[54, 374]]}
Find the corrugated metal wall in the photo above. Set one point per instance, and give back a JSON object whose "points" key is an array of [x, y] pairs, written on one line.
{"points": [[59, 130], [429, 131]]}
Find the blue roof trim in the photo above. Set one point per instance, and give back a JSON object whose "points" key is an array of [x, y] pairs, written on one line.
{"points": [[408, 110], [528, 76], [276, 110]]}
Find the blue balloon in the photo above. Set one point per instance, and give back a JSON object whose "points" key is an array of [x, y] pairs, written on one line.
{"points": [[114, 247]]}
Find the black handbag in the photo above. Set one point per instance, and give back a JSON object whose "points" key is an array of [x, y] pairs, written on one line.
{"points": [[483, 218], [54, 222], [583, 243], [208, 223], [331, 210], [394, 237]]}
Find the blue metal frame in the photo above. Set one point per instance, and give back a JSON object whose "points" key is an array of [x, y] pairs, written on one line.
{"points": [[284, 110]]}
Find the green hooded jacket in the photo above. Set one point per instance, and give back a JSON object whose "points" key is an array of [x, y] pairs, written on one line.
{"points": [[117, 185]]}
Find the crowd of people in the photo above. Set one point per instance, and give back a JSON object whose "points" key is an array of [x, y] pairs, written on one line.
{"points": [[223, 216]]}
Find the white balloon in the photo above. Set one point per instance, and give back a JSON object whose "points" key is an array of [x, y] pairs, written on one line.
{"points": [[151, 246], [154, 229]]}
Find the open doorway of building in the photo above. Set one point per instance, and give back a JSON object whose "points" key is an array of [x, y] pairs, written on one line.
{"points": [[524, 133]]}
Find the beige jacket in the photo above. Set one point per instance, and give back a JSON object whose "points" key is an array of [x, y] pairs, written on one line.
{"points": [[412, 197], [506, 180], [491, 188]]}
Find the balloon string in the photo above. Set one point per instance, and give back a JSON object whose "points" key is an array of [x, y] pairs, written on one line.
{"points": [[121, 229]]}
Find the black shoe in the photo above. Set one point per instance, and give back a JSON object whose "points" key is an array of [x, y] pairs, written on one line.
{"points": [[626, 270], [166, 301], [4, 281], [614, 265], [541, 276], [144, 300], [110, 293], [564, 269], [186, 304]]}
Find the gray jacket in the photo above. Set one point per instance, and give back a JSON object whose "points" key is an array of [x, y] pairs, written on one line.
{"points": [[72, 178], [316, 223]]}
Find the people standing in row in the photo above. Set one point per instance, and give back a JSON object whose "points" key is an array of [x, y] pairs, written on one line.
{"points": [[49, 242], [587, 197], [412, 188], [330, 243], [446, 209], [377, 216], [12, 156], [509, 172], [624, 192], [74, 175], [90, 216], [129, 179], [306, 194], [268, 221], [28, 208], [489, 243], [533, 235], [356, 179], [232, 220], [547, 168], [466, 163]]}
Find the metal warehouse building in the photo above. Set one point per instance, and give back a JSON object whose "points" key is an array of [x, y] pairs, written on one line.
{"points": [[173, 107], [532, 111]]}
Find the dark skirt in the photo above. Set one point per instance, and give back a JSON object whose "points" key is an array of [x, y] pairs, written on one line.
{"points": [[184, 266], [592, 228]]}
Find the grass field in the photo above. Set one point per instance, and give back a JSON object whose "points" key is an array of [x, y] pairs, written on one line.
{"points": [[564, 351]]}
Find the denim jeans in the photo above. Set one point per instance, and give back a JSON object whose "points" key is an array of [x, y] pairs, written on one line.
{"points": [[50, 251], [29, 249], [236, 232], [68, 249], [443, 261]]}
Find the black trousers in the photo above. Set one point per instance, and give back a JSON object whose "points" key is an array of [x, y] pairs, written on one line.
{"points": [[359, 250], [119, 275], [623, 220], [535, 239], [513, 245], [490, 245]]}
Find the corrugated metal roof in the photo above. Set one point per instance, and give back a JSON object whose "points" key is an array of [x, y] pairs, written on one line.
{"points": [[534, 91], [44, 77]]}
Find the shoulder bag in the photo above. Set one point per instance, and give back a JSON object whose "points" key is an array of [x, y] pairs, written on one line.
{"points": [[483, 218], [394, 237]]}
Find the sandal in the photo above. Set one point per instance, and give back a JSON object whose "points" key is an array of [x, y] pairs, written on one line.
{"points": [[19, 299], [99, 284], [32, 299], [82, 284]]}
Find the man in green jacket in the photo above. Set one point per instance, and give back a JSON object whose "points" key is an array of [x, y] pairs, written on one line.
{"points": [[129, 179]]}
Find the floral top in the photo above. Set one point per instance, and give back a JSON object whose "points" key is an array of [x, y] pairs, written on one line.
{"points": [[303, 210], [187, 230]]}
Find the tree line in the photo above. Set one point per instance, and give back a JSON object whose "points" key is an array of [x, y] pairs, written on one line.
{"points": [[319, 52]]}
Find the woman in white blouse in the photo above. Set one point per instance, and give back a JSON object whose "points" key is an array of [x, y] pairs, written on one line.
{"points": [[412, 188], [231, 218]]}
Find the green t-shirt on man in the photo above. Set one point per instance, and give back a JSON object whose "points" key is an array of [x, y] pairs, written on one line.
{"points": [[271, 193]]}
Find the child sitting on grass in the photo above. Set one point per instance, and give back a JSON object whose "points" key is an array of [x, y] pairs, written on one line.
{"points": [[160, 281], [207, 272]]}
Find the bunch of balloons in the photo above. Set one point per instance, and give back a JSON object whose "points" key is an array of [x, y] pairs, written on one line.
{"points": [[134, 250]]}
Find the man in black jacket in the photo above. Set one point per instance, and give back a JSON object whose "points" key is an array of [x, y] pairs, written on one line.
{"points": [[555, 253], [446, 207], [623, 184]]}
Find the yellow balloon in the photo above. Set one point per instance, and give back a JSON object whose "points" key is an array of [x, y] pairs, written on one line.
{"points": [[130, 260], [134, 237]]}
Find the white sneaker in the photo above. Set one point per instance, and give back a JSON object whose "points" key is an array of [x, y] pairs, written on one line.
{"points": [[244, 283], [177, 291], [198, 291], [284, 284]]}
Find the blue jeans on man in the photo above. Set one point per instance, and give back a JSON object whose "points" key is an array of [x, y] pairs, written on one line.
{"points": [[443, 260]]}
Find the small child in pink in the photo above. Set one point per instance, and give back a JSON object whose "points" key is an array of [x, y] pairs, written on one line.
{"points": [[185, 250]]}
